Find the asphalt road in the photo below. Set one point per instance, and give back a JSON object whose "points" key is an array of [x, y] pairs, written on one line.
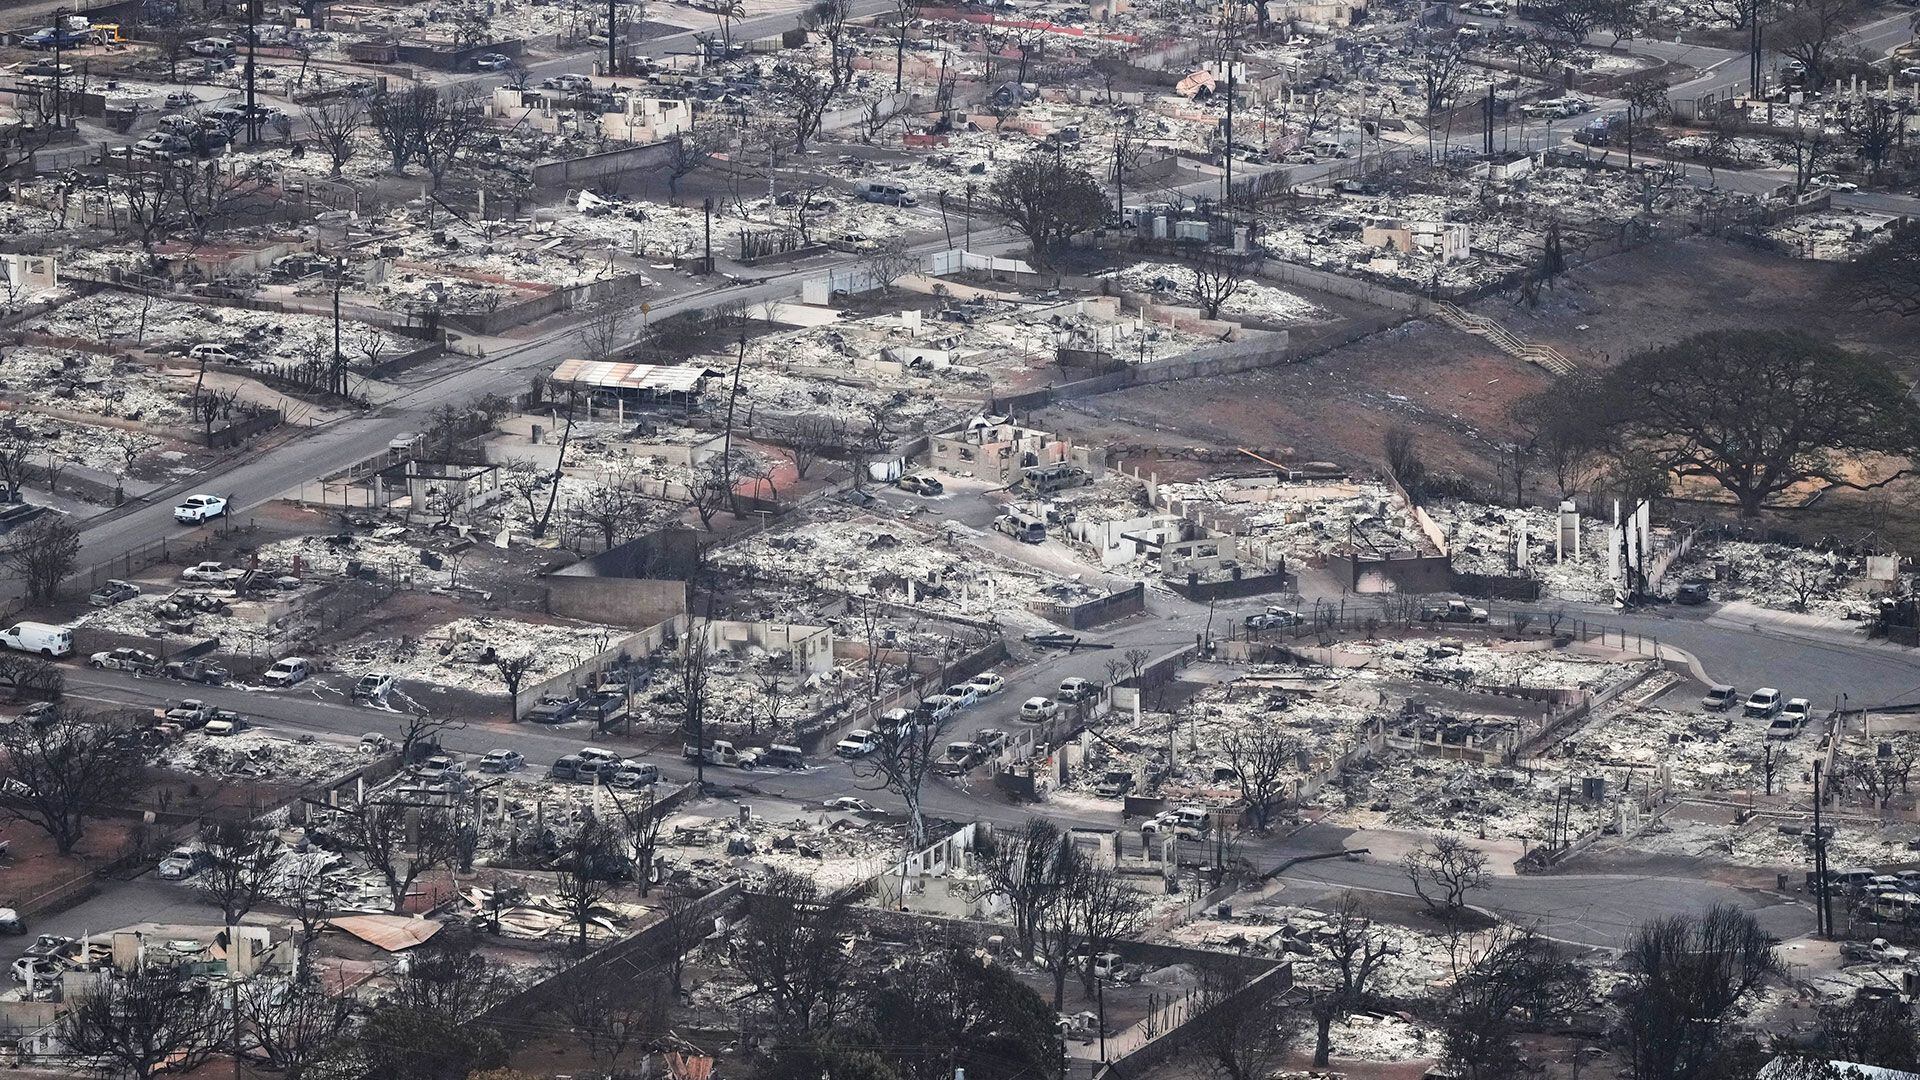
{"points": [[1729, 76]]}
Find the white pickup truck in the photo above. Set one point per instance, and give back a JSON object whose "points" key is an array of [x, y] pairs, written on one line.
{"points": [[200, 508]]}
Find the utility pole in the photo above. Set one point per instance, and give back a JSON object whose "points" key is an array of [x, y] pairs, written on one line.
{"points": [[726, 445], [1753, 53], [1823, 910], [1228, 12], [707, 205], [1488, 131], [968, 246], [59, 31], [339, 359], [613, 38], [253, 34]]}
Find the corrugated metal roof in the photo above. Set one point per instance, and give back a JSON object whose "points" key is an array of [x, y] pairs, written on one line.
{"points": [[394, 933], [677, 379]]}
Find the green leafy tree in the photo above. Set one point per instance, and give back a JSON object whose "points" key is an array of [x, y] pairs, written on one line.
{"points": [[1759, 412], [1049, 201]]}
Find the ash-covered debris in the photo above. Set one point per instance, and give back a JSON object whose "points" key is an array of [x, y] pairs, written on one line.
{"points": [[258, 756], [888, 560], [1776, 576]]}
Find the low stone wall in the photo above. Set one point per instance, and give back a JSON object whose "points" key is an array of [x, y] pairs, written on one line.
{"points": [[1104, 609], [1251, 585]]}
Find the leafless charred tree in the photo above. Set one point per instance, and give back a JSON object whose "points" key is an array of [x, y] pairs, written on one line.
{"points": [[1023, 867], [903, 758], [1242, 1035], [335, 127], [514, 669], [305, 892], [146, 1024], [903, 13], [888, 262], [693, 665], [1687, 976], [420, 733], [400, 120], [41, 555], [290, 1024], [808, 438], [524, 481], [582, 880], [691, 150], [1261, 757], [611, 510], [1811, 144], [378, 830], [1517, 977], [642, 814], [829, 19], [1353, 952], [1875, 128], [70, 771], [1217, 278], [792, 951], [709, 490], [688, 924], [1107, 911], [239, 868], [448, 978], [804, 95], [1646, 97], [1443, 872], [614, 1017]]}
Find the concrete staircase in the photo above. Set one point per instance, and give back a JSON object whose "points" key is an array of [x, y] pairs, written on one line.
{"points": [[1502, 338]]}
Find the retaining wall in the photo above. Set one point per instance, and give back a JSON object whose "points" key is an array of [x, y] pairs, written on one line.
{"points": [[1129, 601]]}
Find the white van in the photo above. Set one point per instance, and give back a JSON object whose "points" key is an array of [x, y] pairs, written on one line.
{"points": [[38, 637]]}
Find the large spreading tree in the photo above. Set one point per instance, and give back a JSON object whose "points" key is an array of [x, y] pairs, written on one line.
{"points": [[1759, 412], [1886, 280], [1048, 200]]}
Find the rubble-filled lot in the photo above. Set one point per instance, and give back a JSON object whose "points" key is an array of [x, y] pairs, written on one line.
{"points": [[88, 382], [1775, 576], [842, 551], [834, 849], [1835, 236], [461, 654], [1304, 521], [183, 616], [1492, 665], [1251, 300], [258, 337], [1506, 220], [1484, 540], [257, 755]]}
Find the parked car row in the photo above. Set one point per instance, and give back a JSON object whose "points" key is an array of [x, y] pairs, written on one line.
{"points": [[594, 765], [1788, 715]]}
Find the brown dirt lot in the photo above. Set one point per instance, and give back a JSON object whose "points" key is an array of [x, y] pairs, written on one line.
{"points": [[1660, 293], [1454, 391], [1451, 388]]}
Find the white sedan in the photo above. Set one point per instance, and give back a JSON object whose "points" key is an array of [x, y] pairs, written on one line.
{"points": [[987, 683], [1039, 708]]}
